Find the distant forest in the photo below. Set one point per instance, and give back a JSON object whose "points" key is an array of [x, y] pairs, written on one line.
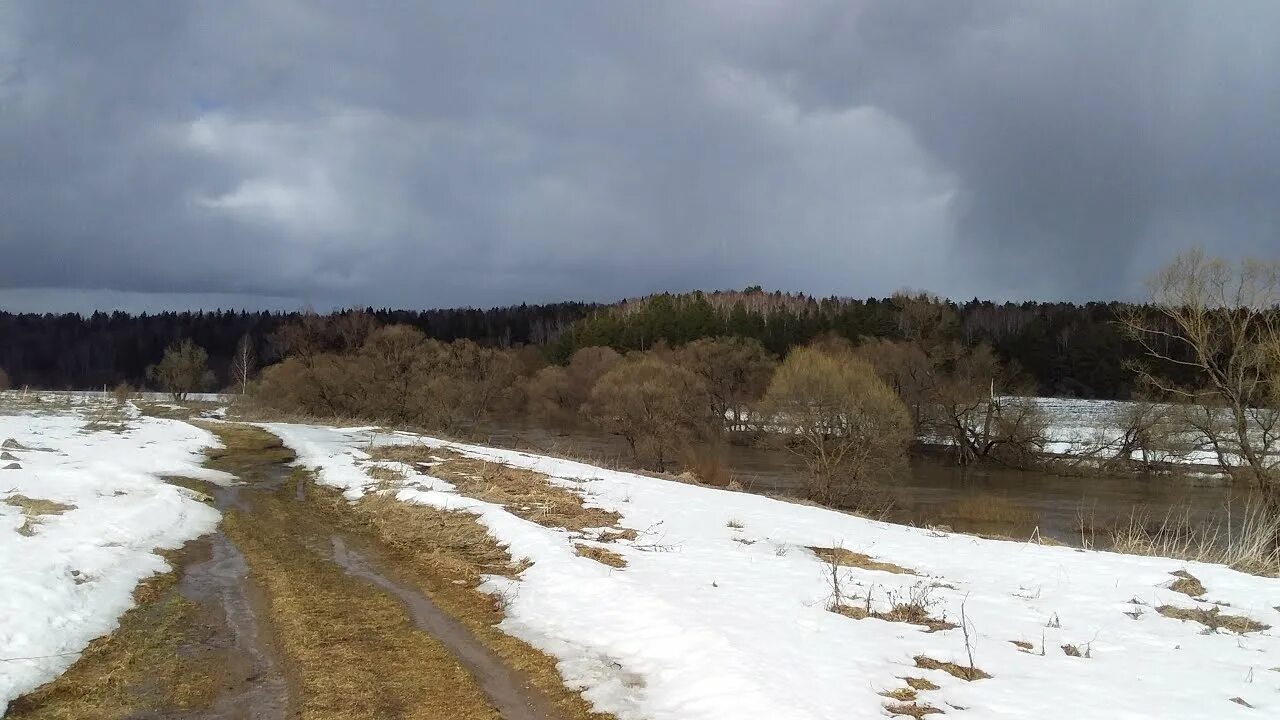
{"points": [[1064, 349]]}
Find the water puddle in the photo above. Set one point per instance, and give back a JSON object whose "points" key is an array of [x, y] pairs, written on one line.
{"points": [[258, 688], [505, 689]]}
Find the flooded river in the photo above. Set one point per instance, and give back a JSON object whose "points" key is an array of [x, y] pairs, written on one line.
{"points": [[932, 489]]}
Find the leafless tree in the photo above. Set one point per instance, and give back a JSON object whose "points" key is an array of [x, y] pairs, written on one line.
{"points": [[244, 362], [843, 421], [1219, 323]]}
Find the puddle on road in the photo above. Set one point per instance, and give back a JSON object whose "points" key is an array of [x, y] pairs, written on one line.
{"points": [[258, 688], [505, 688]]}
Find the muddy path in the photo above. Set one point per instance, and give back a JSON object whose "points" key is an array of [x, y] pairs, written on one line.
{"points": [[287, 611]]}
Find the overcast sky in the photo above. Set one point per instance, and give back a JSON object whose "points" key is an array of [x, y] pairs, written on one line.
{"points": [[279, 153]]}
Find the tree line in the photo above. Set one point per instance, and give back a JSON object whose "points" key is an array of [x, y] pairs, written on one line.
{"points": [[1061, 349]]}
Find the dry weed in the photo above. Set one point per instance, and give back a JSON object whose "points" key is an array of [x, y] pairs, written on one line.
{"points": [[1213, 618], [600, 555], [1187, 584], [848, 558], [964, 673]]}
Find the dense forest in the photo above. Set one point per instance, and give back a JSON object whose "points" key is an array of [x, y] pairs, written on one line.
{"points": [[1064, 349]]}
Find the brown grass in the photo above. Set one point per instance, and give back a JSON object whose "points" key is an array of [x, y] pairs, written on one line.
{"points": [[919, 684], [1187, 584], [353, 649], [848, 558], [445, 568], [911, 606], [911, 709], [33, 509], [1074, 650], [992, 508], [964, 673], [905, 694], [1023, 645], [524, 493], [247, 448], [153, 660], [600, 555], [1213, 618]]}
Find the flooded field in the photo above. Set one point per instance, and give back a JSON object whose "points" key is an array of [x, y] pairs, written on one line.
{"points": [[935, 491]]}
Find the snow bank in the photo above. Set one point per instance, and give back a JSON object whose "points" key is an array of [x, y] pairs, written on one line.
{"points": [[68, 580], [711, 621]]}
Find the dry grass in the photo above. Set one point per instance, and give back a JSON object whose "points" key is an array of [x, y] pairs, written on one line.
{"points": [[992, 508], [600, 555], [911, 709], [1213, 619], [1023, 645], [444, 553], [354, 651], [153, 660], [913, 608], [1074, 651], [246, 448], [451, 544], [848, 558], [1243, 539], [919, 684], [524, 493], [964, 673], [1187, 584], [709, 464], [33, 509], [905, 694]]}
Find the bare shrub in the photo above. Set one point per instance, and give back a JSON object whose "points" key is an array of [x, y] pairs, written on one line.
{"points": [[184, 369], [709, 463], [1212, 333], [657, 407], [735, 372], [123, 393], [848, 427]]}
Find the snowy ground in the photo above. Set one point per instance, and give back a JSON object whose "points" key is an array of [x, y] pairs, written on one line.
{"points": [[721, 611], [68, 574]]}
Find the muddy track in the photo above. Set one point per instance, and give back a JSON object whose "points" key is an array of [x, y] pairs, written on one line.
{"points": [[290, 617]]}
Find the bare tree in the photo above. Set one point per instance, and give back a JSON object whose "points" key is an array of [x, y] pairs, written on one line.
{"points": [[656, 406], [244, 362], [184, 369], [1218, 323], [841, 419], [735, 372]]}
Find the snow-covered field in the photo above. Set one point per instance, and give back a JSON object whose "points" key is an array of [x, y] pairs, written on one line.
{"points": [[722, 609], [82, 511]]}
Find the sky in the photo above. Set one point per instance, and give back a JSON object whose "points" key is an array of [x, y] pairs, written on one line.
{"points": [[283, 154]]}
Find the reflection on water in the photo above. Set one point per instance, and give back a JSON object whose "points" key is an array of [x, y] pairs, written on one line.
{"points": [[929, 492]]}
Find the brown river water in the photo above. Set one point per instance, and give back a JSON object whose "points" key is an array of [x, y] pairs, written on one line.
{"points": [[928, 493]]}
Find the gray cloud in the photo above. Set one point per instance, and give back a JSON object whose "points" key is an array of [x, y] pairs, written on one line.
{"points": [[479, 153]]}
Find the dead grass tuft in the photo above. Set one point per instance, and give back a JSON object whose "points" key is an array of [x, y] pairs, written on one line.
{"points": [[1187, 584], [900, 694], [1023, 645], [920, 684], [848, 558], [912, 709], [1074, 651], [33, 509], [1213, 618], [964, 673], [600, 555], [912, 607]]}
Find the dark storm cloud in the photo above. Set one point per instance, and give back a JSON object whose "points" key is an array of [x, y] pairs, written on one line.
{"points": [[437, 154]]}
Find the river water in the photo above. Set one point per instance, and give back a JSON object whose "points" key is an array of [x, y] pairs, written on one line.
{"points": [[932, 488]]}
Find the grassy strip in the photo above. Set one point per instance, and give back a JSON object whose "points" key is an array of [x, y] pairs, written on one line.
{"points": [[154, 660]]}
